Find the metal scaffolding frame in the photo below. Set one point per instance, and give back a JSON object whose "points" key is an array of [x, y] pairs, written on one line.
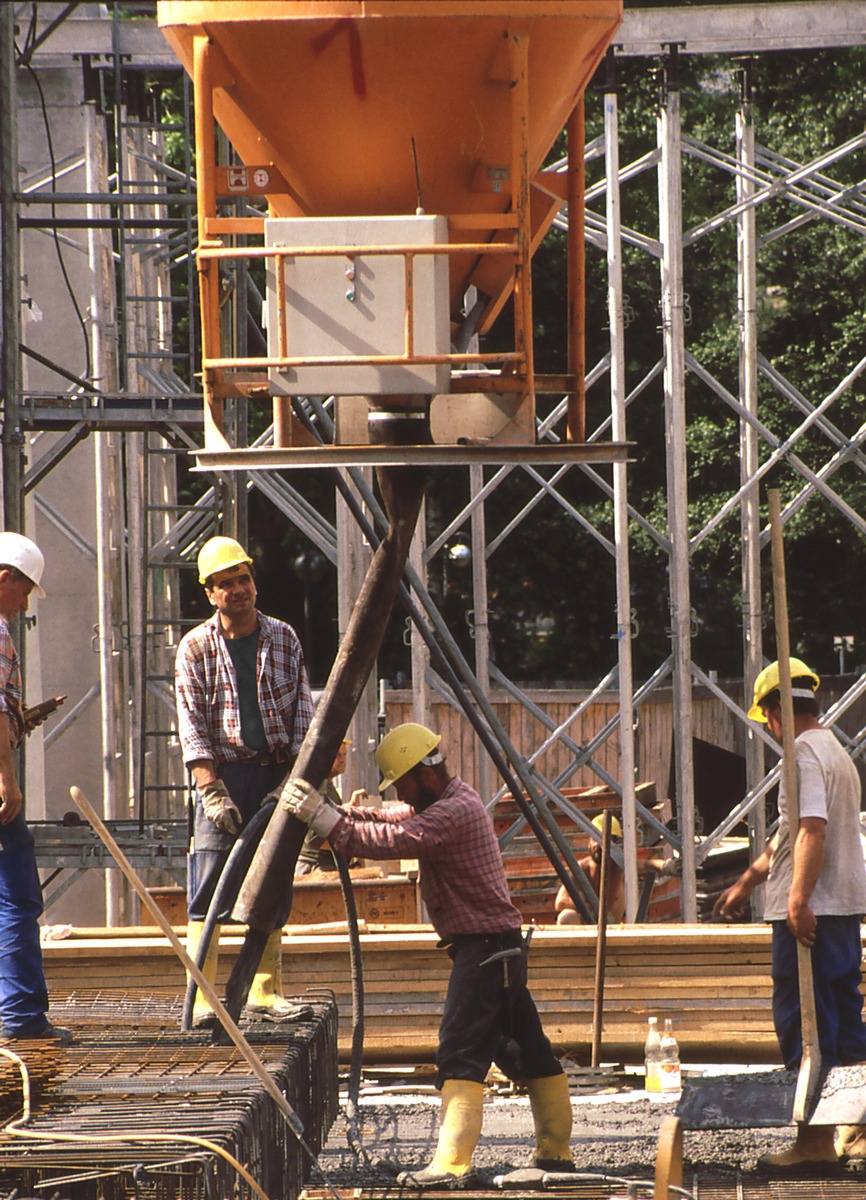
{"points": [[757, 174]]}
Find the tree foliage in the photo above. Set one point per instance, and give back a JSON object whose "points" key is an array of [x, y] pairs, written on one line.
{"points": [[551, 576], [810, 311]]}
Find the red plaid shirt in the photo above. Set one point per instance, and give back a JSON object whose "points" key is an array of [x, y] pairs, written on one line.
{"points": [[461, 870], [208, 706]]}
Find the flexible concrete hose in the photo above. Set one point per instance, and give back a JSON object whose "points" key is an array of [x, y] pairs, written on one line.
{"points": [[238, 860]]}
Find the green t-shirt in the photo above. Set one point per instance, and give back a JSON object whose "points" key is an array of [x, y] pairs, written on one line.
{"points": [[244, 652]]}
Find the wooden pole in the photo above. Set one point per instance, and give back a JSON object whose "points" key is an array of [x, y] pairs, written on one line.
{"points": [[810, 1063], [247, 1053], [601, 940]]}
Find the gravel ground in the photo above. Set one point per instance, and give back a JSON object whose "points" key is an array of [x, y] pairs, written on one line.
{"points": [[615, 1133]]}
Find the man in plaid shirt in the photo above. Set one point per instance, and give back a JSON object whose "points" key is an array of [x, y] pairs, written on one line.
{"points": [[244, 706], [489, 1014]]}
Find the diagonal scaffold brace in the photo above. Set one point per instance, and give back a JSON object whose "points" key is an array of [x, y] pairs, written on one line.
{"points": [[263, 890]]}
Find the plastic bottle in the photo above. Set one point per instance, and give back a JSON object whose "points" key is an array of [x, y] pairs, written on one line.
{"points": [[652, 1057], [670, 1076]]}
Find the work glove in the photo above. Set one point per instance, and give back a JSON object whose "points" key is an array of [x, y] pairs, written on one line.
{"points": [[302, 800], [670, 867], [220, 808]]}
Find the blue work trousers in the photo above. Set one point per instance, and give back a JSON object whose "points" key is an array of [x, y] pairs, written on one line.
{"points": [[836, 958], [23, 993]]}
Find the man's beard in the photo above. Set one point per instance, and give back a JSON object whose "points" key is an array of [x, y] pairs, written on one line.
{"points": [[426, 797]]}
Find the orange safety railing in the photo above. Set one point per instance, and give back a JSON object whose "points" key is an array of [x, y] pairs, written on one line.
{"points": [[409, 253]]}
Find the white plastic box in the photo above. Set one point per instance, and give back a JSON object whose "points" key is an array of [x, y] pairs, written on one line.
{"points": [[355, 305]]}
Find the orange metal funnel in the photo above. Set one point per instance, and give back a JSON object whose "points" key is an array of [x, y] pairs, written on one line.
{"points": [[343, 97], [359, 110]]}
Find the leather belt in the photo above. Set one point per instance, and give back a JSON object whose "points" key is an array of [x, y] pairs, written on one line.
{"points": [[265, 758]]}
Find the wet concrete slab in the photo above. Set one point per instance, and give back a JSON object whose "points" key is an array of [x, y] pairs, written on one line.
{"points": [[615, 1137], [765, 1099]]}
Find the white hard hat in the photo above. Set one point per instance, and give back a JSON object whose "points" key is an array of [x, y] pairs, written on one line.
{"points": [[25, 556]]}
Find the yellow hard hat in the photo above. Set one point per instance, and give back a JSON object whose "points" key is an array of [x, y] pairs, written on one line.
{"points": [[218, 554], [403, 748], [768, 681], [615, 827]]}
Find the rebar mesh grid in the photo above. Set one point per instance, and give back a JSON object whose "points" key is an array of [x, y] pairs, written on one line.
{"points": [[131, 1073], [732, 1189]]}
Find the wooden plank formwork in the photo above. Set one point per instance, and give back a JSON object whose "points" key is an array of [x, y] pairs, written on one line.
{"points": [[714, 981]]}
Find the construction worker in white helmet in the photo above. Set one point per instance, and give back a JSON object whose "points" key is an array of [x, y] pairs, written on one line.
{"points": [[244, 706], [815, 894], [590, 864], [489, 1014], [23, 992]]}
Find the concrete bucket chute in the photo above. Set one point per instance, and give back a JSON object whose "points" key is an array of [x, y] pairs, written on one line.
{"points": [[352, 110]]}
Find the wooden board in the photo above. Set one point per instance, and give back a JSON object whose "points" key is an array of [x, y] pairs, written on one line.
{"points": [[714, 981], [383, 901], [318, 899]]}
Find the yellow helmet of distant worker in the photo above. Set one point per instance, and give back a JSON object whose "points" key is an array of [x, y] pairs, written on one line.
{"points": [[768, 681], [615, 827], [404, 748], [218, 554]]}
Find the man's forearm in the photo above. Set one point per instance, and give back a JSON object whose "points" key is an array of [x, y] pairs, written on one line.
{"points": [[756, 874], [203, 771], [732, 900], [808, 861]]}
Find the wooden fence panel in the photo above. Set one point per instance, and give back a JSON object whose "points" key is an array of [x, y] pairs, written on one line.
{"points": [[713, 722]]}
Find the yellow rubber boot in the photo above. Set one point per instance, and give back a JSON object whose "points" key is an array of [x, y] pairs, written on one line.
{"points": [[459, 1131], [550, 1100], [812, 1153], [266, 998], [850, 1142], [202, 1013]]}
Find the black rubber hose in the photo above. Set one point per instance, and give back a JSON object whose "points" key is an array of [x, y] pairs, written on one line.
{"points": [[353, 1133], [239, 857]]}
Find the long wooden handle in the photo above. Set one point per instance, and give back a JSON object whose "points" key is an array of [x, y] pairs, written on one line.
{"points": [[247, 1053], [601, 940], [810, 1063]]}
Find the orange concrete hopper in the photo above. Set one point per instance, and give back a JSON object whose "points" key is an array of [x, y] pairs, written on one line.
{"points": [[359, 108]]}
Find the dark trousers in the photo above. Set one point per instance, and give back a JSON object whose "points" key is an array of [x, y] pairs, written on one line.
{"points": [[248, 784], [484, 1021], [23, 994], [836, 971]]}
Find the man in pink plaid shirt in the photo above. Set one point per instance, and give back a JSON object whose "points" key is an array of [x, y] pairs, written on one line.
{"points": [[489, 1014]]}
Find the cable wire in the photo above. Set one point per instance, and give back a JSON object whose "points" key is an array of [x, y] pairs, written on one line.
{"points": [[88, 366]]}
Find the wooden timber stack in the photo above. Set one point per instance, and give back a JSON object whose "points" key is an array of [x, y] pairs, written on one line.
{"points": [[385, 897], [713, 980], [531, 878]]}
